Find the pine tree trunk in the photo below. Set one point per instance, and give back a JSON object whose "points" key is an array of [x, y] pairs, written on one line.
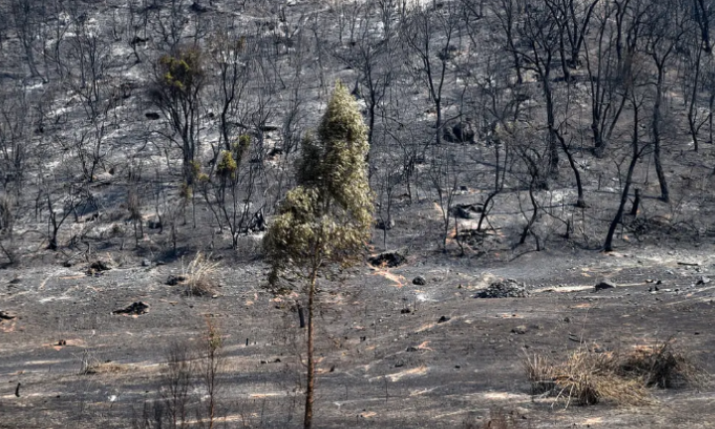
{"points": [[308, 418]]}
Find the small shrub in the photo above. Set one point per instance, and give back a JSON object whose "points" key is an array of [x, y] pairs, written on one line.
{"points": [[584, 378], [540, 373], [587, 377], [186, 192], [241, 147], [227, 166], [198, 277], [662, 365]]}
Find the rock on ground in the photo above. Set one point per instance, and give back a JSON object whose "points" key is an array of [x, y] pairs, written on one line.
{"points": [[504, 289]]}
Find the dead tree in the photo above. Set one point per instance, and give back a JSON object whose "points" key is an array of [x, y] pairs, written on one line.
{"points": [[540, 34], [429, 36], [636, 102], [604, 69], [664, 26], [369, 53]]}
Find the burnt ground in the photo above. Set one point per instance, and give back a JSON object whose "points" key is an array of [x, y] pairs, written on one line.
{"points": [[380, 366]]}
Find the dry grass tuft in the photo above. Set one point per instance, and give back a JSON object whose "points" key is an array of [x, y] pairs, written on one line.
{"points": [[588, 377], [662, 365], [199, 276], [584, 378], [541, 373]]}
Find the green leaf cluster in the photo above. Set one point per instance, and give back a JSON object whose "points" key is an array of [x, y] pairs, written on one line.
{"points": [[181, 72], [326, 219], [241, 147], [227, 166]]}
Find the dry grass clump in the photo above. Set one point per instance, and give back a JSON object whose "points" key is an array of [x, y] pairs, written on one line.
{"points": [[584, 378], [662, 365], [198, 276], [587, 377], [541, 373]]}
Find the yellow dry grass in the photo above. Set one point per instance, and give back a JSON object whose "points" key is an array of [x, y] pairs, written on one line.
{"points": [[199, 275], [588, 377]]}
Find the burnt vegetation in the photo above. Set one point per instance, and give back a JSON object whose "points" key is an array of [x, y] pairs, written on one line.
{"points": [[163, 129], [555, 114]]}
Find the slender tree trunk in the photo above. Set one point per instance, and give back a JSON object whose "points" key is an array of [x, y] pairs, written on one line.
{"points": [[703, 20], [608, 245], [692, 122], [310, 385], [564, 59], [438, 124], [498, 186], [711, 104], [580, 202], [550, 119], [534, 214], [664, 193]]}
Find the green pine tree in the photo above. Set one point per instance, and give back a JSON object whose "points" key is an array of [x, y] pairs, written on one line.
{"points": [[326, 219]]}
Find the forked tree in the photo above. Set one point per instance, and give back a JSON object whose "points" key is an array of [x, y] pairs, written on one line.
{"points": [[324, 222]]}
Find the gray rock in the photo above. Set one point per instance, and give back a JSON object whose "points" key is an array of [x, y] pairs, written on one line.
{"points": [[135, 308], [461, 213], [521, 330], [702, 281], [465, 211], [504, 289], [385, 225], [605, 284], [198, 7], [419, 281], [270, 127], [7, 315], [99, 266], [146, 263], [459, 133], [390, 259], [175, 280]]}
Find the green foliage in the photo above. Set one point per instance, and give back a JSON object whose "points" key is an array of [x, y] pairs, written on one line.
{"points": [[181, 72], [241, 147], [326, 219], [227, 166], [187, 191]]}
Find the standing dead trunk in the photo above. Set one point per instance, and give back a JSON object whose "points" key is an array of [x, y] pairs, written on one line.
{"points": [[310, 385], [636, 151], [581, 201], [664, 192]]}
